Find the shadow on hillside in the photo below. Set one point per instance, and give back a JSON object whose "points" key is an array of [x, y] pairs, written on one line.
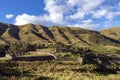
{"points": [[44, 78], [9, 72], [11, 69], [100, 70], [14, 32], [33, 58]]}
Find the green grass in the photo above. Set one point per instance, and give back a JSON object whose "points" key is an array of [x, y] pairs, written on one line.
{"points": [[67, 54], [4, 58], [112, 33], [32, 55], [51, 70], [68, 35], [47, 49], [104, 49]]}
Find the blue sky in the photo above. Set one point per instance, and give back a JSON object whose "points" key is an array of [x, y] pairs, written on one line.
{"points": [[90, 14]]}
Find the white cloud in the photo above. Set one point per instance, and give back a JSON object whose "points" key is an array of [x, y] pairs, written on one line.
{"points": [[54, 15], [99, 13], [87, 26], [88, 5], [25, 18], [55, 11], [106, 12], [72, 2], [87, 21], [83, 7], [9, 16], [78, 15], [112, 15], [76, 12]]}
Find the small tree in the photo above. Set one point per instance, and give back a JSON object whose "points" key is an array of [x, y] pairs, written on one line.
{"points": [[3, 49]]}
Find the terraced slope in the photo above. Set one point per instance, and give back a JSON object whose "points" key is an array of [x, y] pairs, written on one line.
{"points": [[41, 34], [9, 32]]}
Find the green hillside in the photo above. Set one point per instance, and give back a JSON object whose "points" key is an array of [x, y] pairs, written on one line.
{"points": [[112, 33], [68, 35]]}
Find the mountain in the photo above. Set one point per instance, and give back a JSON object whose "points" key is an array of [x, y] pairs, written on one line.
{"points": [[112, 33], [40, 34]]}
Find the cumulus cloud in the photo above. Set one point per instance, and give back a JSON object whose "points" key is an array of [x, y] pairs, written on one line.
{"points": [[54, 15], [9, 16], [99, 13], [112, 15], [107, 12], [80, 13], [55, 11], [83, 7], [26, 18], [87, 26]]}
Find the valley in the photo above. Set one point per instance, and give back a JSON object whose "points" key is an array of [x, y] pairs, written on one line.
{"points": [[36, 52]]}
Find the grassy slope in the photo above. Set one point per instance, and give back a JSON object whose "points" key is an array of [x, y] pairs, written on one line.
{"points": [[2, 41], [112, 33], [58, 36], [8, 32], [29, 33], [52, 70], [67, 35], [7, 36]]}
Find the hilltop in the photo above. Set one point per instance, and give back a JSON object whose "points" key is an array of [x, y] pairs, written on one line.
{"points": [[112, 32]]}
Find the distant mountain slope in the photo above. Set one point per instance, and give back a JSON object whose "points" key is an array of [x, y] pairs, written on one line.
{"points": [[112, 33], [32, 33], [9, 32], [41, 34]]}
